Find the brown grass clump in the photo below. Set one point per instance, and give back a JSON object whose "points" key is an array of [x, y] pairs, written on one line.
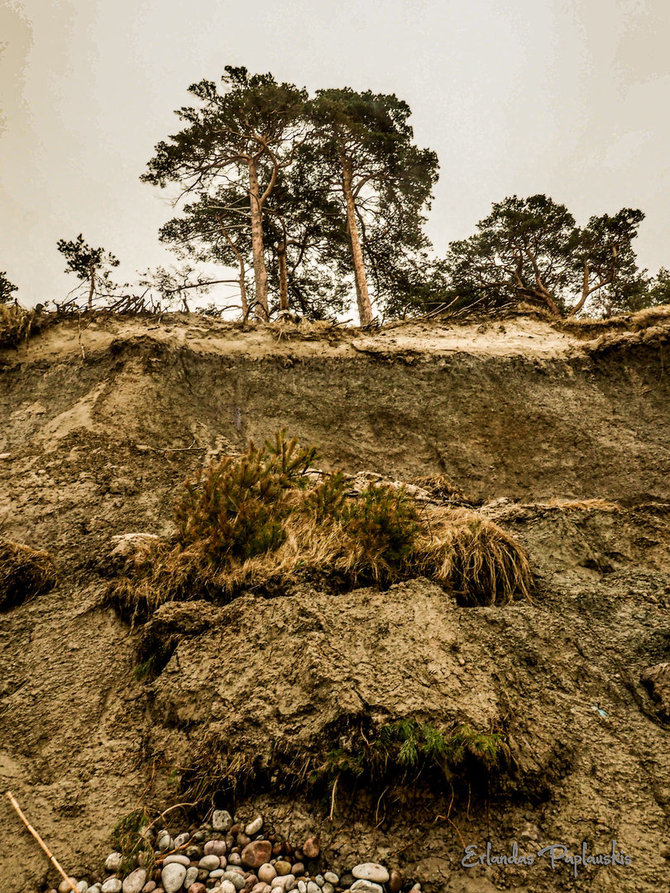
{"points": [[475, 557], [260, 522], [24, 573], [17, 325]]}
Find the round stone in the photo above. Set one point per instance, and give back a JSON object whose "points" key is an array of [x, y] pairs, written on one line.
{"points": [[65, 886], [283, 882], [236, 859], [163, 841], [255, 826], [197, 888], [177, 859], [209, 863], [311, 848], [228, 887], [297, 869], [181, 839], [363, 886], [267, 873], [135, 881], [261, 888], [282, 867], [371, 871], [237, 880], [113, 862], [331, 877], [256, 853], [191, 876], [218, 872], [222, 820], [172, 877], [149, 887], [327, 888], [313, 887], [112, 885], [215, 848], [395, 881]]}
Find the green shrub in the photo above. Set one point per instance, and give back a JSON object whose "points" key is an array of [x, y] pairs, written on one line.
{"points": [[237, 506], [259, 519], [383, 521]]}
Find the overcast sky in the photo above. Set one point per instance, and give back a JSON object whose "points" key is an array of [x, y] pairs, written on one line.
{"points": [[567, 97]]}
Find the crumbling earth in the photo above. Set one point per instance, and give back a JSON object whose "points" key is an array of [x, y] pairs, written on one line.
{"points": [[561, 433]]}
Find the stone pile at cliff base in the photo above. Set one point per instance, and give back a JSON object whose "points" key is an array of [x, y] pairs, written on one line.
{"points": [[228, 856]]}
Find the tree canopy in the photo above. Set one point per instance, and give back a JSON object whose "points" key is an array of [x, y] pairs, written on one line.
{"points": [[7, 289], [91, 265]]}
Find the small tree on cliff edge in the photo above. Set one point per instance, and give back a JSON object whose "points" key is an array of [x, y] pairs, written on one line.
{"points": [[89, 264]]}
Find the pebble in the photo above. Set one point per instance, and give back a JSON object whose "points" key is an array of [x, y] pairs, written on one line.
{"points": [[163, 841], [267, 873], [191, 877], [113, 862], [232, 862], [177, 859], [365, 886], [237, 880], [255, 826], [135, 881], [395, 881], [371, 871], [65, 886], [222, 820], [172, 877], [256, 853], [181, 839], [209, 863], [215, 848]]}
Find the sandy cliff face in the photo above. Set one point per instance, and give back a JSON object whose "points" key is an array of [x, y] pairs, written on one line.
{"points": [[562, 433]]}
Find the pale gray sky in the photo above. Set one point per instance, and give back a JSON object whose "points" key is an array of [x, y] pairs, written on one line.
{"points": [[567, 97]]}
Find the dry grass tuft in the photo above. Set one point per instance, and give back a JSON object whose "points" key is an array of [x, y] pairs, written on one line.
{"points": [[24, 573], [260, 522], [17, 325], [475, 557]]}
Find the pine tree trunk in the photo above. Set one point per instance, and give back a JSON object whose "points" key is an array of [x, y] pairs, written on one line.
{"points": [[261, 310], [283, 277], [362, 294], [91, 292]]}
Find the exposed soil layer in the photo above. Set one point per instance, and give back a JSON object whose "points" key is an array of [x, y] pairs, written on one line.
{"points": [[561, 431]]}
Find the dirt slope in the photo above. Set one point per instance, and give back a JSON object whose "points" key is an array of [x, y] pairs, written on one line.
{"points": [[562, 432]]}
